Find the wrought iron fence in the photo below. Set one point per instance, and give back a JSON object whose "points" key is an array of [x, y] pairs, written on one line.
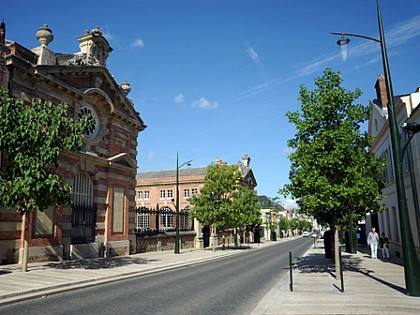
{"points": [[151, 221]]}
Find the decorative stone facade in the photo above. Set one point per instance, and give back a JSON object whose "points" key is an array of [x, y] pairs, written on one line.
{"points": [[102, 175]]}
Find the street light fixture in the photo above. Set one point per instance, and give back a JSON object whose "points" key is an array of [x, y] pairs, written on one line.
{"points": [[411, 263], [188, 163]]}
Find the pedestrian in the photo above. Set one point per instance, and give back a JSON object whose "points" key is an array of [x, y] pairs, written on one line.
{"points": [[384, 245], [373, 240]]}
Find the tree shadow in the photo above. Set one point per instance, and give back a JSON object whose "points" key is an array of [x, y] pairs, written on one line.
{"points": [[101, 263], [314, 263], [353, 264], [317, 263], [5, 272]]}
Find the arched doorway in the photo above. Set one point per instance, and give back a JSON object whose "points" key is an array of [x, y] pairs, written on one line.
{"points": [[83, 219]]}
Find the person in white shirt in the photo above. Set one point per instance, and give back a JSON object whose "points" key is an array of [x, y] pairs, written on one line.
{"points": [[373, 240]]}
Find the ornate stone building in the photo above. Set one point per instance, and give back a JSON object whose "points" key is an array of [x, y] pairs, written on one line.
{"points": [[102, 175]]}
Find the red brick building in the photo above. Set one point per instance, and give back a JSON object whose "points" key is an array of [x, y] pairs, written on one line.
{"points": [[101, 220], [156, 196]]}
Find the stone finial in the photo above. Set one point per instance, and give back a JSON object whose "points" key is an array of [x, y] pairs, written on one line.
{"points": [[44, 35], [246, 159], [96, 31], [125, 87]]}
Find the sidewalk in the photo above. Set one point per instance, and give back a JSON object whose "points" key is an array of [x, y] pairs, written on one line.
{"points": [[371, 286]]}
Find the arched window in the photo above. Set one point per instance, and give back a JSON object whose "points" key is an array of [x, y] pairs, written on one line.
{"points": [[83, 217], [186, 218], [82, 190], [142, 221], [166, 221]]}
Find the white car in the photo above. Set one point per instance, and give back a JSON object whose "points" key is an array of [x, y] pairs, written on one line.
{"points": [[305, 234]]}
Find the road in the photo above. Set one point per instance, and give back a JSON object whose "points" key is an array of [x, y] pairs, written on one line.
{"points": [[233, 285]]}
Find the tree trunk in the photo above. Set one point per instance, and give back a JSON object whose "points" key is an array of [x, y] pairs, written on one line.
{"points": [[24, 241], [213, 237]]}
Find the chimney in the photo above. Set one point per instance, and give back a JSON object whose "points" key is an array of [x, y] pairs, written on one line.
{"points": [[3, 79], [2, 33], [381, 92]]}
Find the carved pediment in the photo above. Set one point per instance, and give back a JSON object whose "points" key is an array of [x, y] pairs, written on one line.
{"points": [[122, 159]]}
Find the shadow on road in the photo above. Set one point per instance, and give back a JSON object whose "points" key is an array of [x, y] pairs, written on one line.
{"points": [[101, 263]]}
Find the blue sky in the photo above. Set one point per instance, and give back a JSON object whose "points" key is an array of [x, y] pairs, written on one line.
{"points": [[214, 79]]}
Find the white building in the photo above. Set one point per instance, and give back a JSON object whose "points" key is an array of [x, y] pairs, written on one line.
{"points": [[388, 221]]}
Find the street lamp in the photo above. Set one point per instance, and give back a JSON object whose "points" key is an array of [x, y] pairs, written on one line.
{"points": [[411, 263], [188, 163]]}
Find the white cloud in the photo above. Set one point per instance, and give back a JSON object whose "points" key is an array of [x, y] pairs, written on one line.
{"points": [[287, 151], [203, 103], [290, 204], [252, 54], [179, 98], [138, 42], [151, 155]]}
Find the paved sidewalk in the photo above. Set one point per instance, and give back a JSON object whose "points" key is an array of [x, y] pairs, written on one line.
{"points": [[371, 286]]}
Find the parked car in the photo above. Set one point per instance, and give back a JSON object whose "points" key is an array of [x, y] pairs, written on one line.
{"points": [[305, 234]]}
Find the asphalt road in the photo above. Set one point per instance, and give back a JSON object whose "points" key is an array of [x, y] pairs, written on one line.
{"points": [[233, 285]]}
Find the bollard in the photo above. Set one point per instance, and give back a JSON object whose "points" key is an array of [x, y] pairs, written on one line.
{"points": [[291, 271], [341, 269]]}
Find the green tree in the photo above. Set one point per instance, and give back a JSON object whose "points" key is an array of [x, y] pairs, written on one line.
{"points": [[294, 225], [223, 202], [332, 171], [245, 209], [32, 137], [284, 225], [212, 205]]}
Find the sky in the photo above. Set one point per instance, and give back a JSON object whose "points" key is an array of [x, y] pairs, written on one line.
{"points": [[214, 79]]}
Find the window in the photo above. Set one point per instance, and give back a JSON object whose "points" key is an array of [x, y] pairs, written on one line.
{"points": [[162, 194], [387, 167], [92, 131], [166, 221], [186, 193], [146, 194], [186, 218], [170, 193], [140, 195], [83, 220], [390, 168], [142, 222], [194, 191]]}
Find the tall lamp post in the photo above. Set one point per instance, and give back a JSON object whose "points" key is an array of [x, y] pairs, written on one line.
{"points": [[411, 263], [188, 163]]}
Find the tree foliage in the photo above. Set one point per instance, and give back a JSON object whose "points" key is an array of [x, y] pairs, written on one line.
{"points": [[332, 171], [32, 137], [223, 201], [245, 211]]}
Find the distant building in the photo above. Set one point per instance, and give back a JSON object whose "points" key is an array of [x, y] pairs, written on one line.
{"points": [[155, 202], [271, 214], [406, 110], [102, 175]]}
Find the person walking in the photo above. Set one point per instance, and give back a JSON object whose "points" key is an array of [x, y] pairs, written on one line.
{"points": [[373, 240], [384, 245]]}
